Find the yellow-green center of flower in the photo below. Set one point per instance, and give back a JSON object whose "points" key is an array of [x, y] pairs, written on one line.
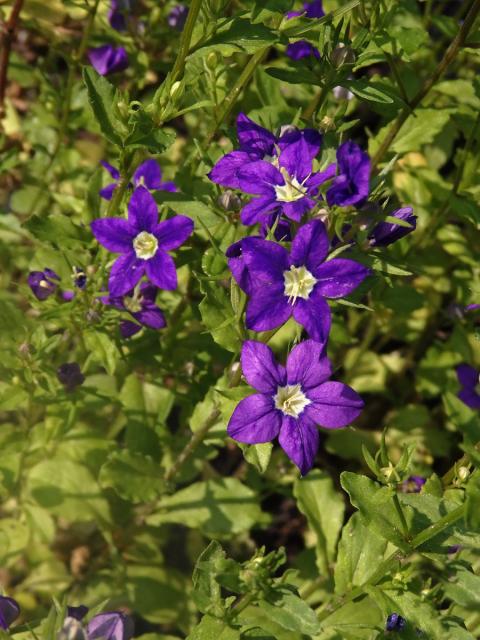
{"points": [[290, 191], [299, 283], [134, 305], [291, 400], [44, 284], [145, 245]]}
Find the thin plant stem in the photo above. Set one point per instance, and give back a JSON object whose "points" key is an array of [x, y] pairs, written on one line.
{"points": [[401, 515], [9, 29], [179, 65], [447, 59]]}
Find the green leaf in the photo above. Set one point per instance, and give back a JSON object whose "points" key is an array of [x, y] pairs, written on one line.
{"points": [[324, 509], [210, 566], [257, 454], [14, 536], [218, 316], [103, 349], [368, 91], [103, 98], [134, 477], [286, 608], [211, 628], [145, 133], [57, 230], [220, 508], [463, 587], [237, 35], [472, 513], [420, 129]]}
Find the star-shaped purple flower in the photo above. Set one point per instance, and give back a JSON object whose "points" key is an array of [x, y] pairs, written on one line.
{"points": [[140, 303], [143, 243], [282, 284], [43, 283], [352, 183], [110, 626], [257, 143], [291, 400], [302, 48], [469, 378], [148, 174], [9, 611], [108, 59], [386, 233]]}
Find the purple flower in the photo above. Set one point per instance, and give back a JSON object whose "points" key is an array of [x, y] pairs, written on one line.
{"points": [[291, 400], [386, 233], [43, 283], [140, 303], [116, 14], [351, 185], [108, 59], [110, 626], [282, 284], [302, 49], [312, 9], [472, 307], [257, 143], [177, 17], [78, 612], [148, 174], [413, 484], [469, 379], [9, 611], [143, 243], [395, 622], [70, 375]]}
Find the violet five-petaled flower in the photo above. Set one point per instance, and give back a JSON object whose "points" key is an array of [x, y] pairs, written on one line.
{"points": [[9, 611], [469, 378], [351, 185], [143, 243], [281, 284], [291, 400], [113, 625], [386, 233], [140, 303], [302, 48], [108, 59], [43, 283], [148, 174]]}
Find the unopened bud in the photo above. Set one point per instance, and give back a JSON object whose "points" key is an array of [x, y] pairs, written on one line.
{"points": [[212, 60], [463, 473], [176, 89], [327, 123], [342, 55], [229, 201]]}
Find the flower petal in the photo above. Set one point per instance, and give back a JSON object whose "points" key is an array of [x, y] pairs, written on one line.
{"points": [[308, 365], [258, 209], [339, 277], [254, 138], [225, 171], [267, 309], [107, 192], [296, 159], [129, 328], [142, 210], [259, 178], [299, 439], [310, 245], [115, 234], [266, 261], [386, 233], [295, 210], [125, 273], [161, 270], [255, 420], [113, 171], [315, 315], [334, 405], [260, 367], [470, 398], [310, 139], [173, 232], [301, 49], [110, 626], [151, 317], [467, 375], [148, 174]]}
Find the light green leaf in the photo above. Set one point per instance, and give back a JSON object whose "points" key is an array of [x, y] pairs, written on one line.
{"points": [[287, 609], [103, 98], [134, 477]]}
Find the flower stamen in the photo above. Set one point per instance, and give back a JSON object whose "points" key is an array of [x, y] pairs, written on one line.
{"points": [[145, 245], [291, 400], [299, 283]]}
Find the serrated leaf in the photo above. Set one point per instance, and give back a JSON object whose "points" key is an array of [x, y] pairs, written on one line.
{"points": [[103, 97]]}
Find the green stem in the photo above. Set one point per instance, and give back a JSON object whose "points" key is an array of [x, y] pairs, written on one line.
{"points": [[316, 102], [179, 66], [452, 472], [401, 515], [447, 59]]}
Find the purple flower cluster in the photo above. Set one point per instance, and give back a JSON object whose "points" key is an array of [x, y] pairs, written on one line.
{"points": [[294, 281], [148, 174]]}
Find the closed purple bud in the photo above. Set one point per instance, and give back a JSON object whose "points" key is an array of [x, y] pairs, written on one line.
{"points": [[110, 626], [108, 59], [395, 622], [177, 17], [9, 611], [79, 278], [116, 14], [78, 612], [454, 548], [70, 375], [43, 283], [386, 233]]}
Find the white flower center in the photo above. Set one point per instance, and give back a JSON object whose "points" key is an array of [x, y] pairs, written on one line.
{"points": [[44, 284], [291, 400], [292, 189], [299, 283], [145, 245]]}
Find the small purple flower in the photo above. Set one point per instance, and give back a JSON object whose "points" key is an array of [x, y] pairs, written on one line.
{"points": [[468, 377], [108, 59], [110, 626], [282, 284], [386, 233], [472, 307], [302, 49], [177, 17], [140, 303], [148, 174], [413, 484], [351, 185], [116, 14], [9, 611], [395, 622], [143, 243], [291, 400], [43, 283], [78, 612], [70, 375]]}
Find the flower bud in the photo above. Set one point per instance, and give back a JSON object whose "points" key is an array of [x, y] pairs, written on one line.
{"points": [[463, 473], [342, 55], [327, 123], [212, 60], [176, 90], [229, 201]]}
